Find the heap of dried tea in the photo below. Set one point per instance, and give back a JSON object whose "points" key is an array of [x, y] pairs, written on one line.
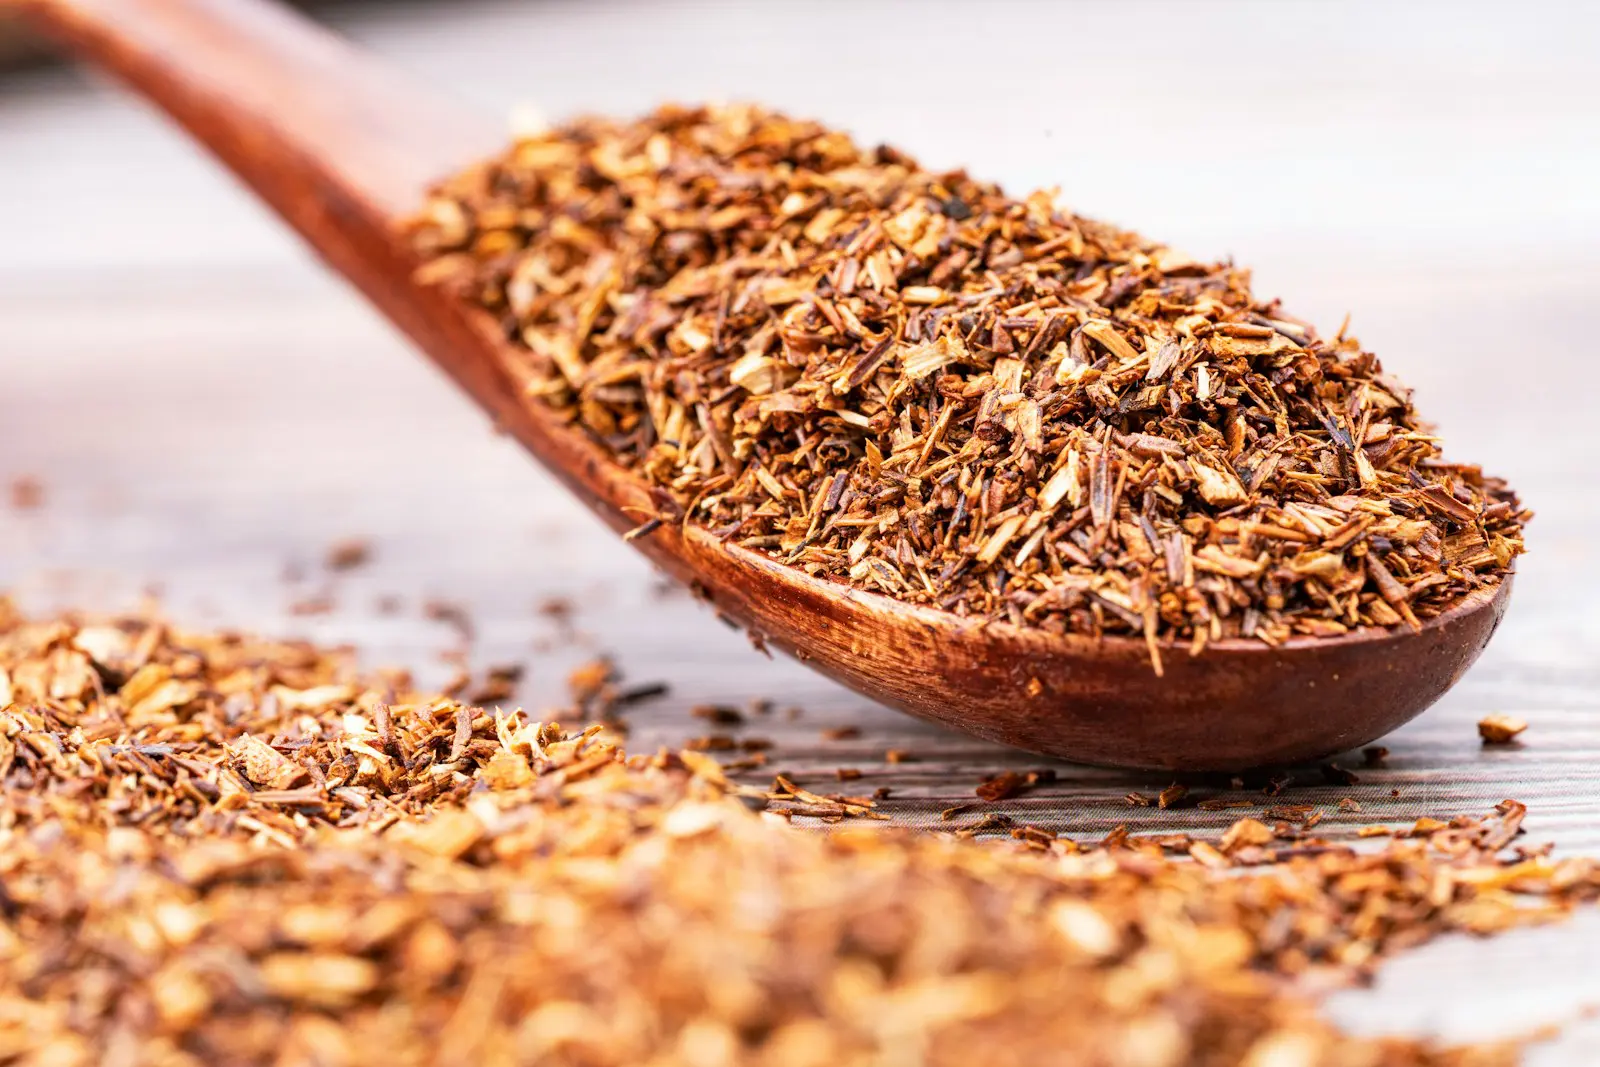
{"points": [[217, 849], [914, 383]]}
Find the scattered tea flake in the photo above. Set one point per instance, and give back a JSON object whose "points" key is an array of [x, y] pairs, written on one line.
{"points": [[1244, 833], [152, 692], [317, 604], [1224, 803], [991, 822], [644, 529], [447, 835], [1292, 812], [499, 684], [1172, 796], [453, 615], [1085, 928], [1001, 786], [1104, 332], [560, 609], [1334, 774], [323, 979], [703, 766], [720, 714], [264, 766], [589, 679], [507, 770], [27, 493], [318, 697], [1218, 486], [1500, 729], [628, 696], [348, 554], [180, 996]]}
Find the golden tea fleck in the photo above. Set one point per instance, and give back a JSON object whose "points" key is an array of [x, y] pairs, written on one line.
{"points": [[1500, 729], [27, 494], [348, 555]]}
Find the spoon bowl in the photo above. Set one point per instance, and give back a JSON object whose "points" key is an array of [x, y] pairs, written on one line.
{"points": [[343, 149]]}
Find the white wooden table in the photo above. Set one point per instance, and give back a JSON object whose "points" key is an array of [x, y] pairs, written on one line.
{"points": [[207, 409]]}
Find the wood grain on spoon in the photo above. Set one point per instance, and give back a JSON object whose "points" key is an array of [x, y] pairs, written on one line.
{"points": [[342, 148]]}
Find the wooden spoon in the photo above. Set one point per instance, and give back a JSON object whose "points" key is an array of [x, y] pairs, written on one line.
{"points": [[343, 148]]}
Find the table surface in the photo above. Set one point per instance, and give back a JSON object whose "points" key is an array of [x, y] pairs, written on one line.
{"points": [[208, 411]]}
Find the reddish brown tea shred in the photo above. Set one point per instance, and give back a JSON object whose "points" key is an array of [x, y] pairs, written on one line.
{"points": [[27, 493], [348, 554], [1500, 729]]}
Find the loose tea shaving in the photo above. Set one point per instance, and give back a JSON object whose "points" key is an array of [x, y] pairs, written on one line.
{"points": [[27, 494], [348, 554], [1500, 729], [911, 382], [219, 849]]}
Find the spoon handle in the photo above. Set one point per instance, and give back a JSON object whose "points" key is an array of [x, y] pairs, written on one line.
{"points": [[318, 128], [336, 143]]}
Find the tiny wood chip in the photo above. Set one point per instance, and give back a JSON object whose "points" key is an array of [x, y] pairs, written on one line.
{"points": [[1500, 729]]}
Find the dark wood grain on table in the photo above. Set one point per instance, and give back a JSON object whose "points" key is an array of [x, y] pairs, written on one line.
{"points": [[206, 412]]}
